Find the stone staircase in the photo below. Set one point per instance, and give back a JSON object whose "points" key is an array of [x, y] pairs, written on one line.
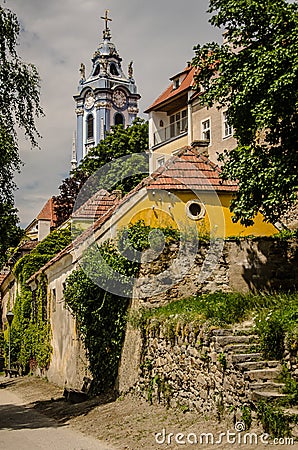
{"points": [[241, 349]]}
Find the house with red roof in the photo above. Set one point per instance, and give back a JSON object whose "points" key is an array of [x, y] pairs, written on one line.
{"points": [[44, 223], [177, 119]]}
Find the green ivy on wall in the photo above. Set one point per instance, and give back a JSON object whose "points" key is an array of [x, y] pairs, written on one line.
{"points": [[30, 331]]}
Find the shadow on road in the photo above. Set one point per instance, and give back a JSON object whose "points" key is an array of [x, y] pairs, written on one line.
{"points": [[62, 411], [56, 410], [14, 417]]}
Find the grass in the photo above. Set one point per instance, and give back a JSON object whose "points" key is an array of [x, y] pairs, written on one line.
{"points": [[221, 308], [275, 317]]}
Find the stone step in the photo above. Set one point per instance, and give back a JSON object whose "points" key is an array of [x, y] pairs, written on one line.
{"points": [[256, 365], [246, 325], [243, 331], [237, 358], [222, 341], [241, 348], [266, 395], [267, 386], [222, 332], [262, 374]]}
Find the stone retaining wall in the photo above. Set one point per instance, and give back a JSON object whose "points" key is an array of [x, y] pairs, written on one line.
{"points": [[188, 372]]}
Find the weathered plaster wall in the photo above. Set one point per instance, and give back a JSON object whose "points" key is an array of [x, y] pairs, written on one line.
{"points": [[68, 363], [8, 292], [218, 143]]}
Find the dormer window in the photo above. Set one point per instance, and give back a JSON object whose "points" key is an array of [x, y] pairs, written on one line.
{"points": [[176, 83]]}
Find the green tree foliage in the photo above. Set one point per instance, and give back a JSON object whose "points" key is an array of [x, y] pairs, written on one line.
{"points": [[254, 75], [120, 142], [10, 232], [19, 105]]}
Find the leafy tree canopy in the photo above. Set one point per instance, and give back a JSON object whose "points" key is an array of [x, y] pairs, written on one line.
{"points": [[19, 105], [120, 142], [254, 74]]}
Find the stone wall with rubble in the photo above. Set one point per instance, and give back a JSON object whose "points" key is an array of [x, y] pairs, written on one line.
{"points": [[239, 265], [188, 370]]}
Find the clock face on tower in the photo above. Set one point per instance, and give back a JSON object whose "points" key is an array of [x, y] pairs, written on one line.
{"points": [[119, 98]]}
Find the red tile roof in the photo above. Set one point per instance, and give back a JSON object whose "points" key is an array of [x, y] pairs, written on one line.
{"points": [[47, 212], [97, 205], [190, 170], [170, 92], [27, 245]]}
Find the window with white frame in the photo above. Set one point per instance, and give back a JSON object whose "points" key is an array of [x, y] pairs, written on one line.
{"points": [[178, 123], [227, 128], [206, 130]]}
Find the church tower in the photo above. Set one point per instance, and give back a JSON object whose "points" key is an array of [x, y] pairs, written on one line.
{"points": [[105, 98]]}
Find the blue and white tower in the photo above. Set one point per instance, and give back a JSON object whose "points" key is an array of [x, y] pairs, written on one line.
{"points": [[105, 98]]}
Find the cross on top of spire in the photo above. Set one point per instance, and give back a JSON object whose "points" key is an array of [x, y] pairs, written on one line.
{"points": [[106, 32]]}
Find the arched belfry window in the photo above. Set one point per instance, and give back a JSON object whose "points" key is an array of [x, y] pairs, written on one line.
{"points": [[119, 119], [113, 69], [90, 127], [97, 70]]}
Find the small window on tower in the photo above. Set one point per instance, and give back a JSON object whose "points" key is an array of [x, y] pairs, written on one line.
{"points": [[97, 70], [114, 70], [119, 119], [90, 127]]}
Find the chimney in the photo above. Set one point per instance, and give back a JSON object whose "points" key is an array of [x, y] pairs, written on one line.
{"points": [[201, 147]]}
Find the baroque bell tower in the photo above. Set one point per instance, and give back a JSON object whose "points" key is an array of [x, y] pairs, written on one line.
{"points": [[105, 98]]}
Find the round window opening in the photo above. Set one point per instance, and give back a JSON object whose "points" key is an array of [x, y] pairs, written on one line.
{"points": [[195, 210]]}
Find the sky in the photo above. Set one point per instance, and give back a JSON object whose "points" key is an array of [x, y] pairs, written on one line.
{"points": [[57, 35]]}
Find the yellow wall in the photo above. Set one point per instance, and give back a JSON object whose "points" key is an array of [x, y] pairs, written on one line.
{"points": [[167, 149], [163, 208]]}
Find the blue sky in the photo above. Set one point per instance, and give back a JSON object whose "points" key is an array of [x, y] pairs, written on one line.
{"points": [[58, 35]]}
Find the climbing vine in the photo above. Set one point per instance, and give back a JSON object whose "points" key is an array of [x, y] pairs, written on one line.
{"points": [[30, 331], [101, 315]]}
